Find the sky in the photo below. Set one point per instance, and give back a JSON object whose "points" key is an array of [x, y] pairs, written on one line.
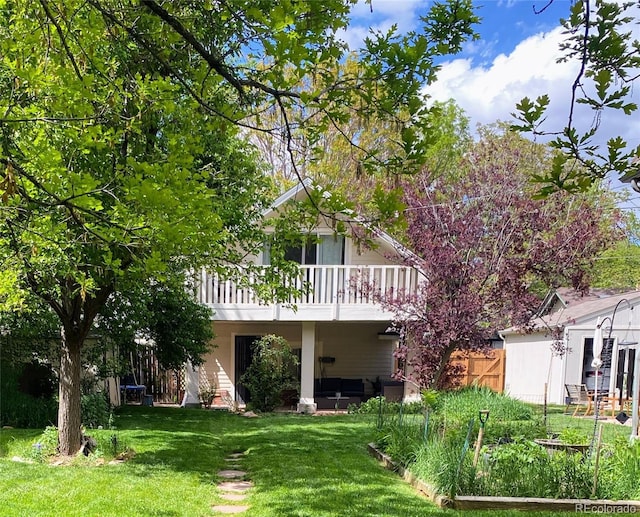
{"points": [[515, 57]]}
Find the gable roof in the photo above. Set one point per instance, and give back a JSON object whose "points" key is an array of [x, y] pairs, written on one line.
{"points": [[569, 307], [292, 193], [301, 189]]}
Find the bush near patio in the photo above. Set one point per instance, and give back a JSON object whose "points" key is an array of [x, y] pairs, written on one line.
{"points": [[271, 371], [438, 447]]}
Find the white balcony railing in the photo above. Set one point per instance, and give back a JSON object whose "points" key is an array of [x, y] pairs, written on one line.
{"points": [[343, 285]]}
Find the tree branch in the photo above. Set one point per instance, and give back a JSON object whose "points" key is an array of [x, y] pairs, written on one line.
{"points": [[45, 6]]}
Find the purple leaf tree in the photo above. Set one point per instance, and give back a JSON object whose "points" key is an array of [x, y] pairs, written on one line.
{"points": [[488, 249]]}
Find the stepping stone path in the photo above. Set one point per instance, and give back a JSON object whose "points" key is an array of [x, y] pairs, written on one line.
{"points": [[235, 489]]}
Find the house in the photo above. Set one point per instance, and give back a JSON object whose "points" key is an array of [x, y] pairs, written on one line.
{"points": [[567, 321], [338, 332]]}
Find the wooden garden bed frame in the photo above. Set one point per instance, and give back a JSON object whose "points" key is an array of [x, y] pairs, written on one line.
{"points": [[468, 502]]}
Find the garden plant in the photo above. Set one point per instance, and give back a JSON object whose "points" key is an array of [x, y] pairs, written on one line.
{"points": [[513, 460]]}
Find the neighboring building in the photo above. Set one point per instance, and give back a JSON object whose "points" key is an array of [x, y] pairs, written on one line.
{"points": [[567, 321], [338, 332]]}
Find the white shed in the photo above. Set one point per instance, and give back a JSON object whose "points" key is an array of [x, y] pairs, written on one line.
{"points": [[567, 321]]}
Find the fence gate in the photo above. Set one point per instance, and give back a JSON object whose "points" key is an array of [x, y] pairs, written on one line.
{"points": [[481, 369], [166, 386]]}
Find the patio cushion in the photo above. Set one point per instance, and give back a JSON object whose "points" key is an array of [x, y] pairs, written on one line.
{"points": [[329, 386], [352, 387]]}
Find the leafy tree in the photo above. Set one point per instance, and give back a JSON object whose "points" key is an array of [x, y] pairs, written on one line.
{"points": [[164, 316], [488, 250], [271, 371], [332, 160], [599, 38], [619, 267], [120, 138]]}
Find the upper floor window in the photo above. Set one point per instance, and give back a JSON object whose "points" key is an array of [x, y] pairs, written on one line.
{"points": [[322, 250]]}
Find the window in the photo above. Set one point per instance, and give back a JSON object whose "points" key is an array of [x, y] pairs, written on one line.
{"points": [[323, 250]]}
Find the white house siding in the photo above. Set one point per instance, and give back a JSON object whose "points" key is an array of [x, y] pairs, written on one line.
{"points": [[575, 354], [529, 365], [358, 352], [364, 256]]}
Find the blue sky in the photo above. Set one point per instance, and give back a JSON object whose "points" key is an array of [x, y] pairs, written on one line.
{"points": [[505, 24], [515, 57]]}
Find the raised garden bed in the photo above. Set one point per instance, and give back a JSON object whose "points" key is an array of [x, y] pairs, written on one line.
{"points": [[554, 445], [505, 503]]}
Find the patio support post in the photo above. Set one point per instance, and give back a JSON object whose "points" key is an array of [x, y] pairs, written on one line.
{"points": [[307, 368]]}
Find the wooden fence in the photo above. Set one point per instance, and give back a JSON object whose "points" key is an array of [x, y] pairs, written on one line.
{"points": [[482, 370]]}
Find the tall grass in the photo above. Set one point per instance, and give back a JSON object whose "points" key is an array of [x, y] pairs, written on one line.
{"points": [[510, 463]]}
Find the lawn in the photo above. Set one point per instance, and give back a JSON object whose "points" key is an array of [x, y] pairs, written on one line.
{"points": [[300, 465]]}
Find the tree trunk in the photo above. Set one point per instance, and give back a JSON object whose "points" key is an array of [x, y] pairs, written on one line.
{"points": [[444, 361], [69, 419]]}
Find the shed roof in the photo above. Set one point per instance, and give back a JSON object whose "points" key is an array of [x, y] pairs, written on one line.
{"points": [[566, 306]]}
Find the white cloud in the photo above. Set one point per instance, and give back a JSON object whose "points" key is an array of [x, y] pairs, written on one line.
{"points": [[381, 16], [488, 87], [490, 93]]}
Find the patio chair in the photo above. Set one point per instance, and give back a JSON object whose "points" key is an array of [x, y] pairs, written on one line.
{"points": [[578, 395]]}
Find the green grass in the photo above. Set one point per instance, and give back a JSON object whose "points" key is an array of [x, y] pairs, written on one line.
{"points": [[557, 421], [300, 465]]}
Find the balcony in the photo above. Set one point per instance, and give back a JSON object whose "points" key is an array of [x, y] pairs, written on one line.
{"points": [[321, 293]]}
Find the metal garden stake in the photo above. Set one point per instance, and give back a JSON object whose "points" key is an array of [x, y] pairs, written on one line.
{"points": [[484, 416]]}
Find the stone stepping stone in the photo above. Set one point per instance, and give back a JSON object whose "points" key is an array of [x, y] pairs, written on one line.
{"points": [[229, 509], [232, 474], [235, 486], [236, 455], [233, 497]]}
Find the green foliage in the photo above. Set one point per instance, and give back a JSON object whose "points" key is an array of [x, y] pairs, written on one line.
{"points": [[573, 436], [619, 267], [436, 461], [19, 409], [620, 470], [95, 411], [525, 469], [45, 446], [121, 152], [600, 41], [451, 413], [271, 371], [511, 463], [379, 404], [464, 404], [398, 438]]}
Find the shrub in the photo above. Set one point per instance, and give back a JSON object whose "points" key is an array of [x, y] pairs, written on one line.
{"points": [[271, 371], [95, 410], [45, 446], [20, 409]]}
